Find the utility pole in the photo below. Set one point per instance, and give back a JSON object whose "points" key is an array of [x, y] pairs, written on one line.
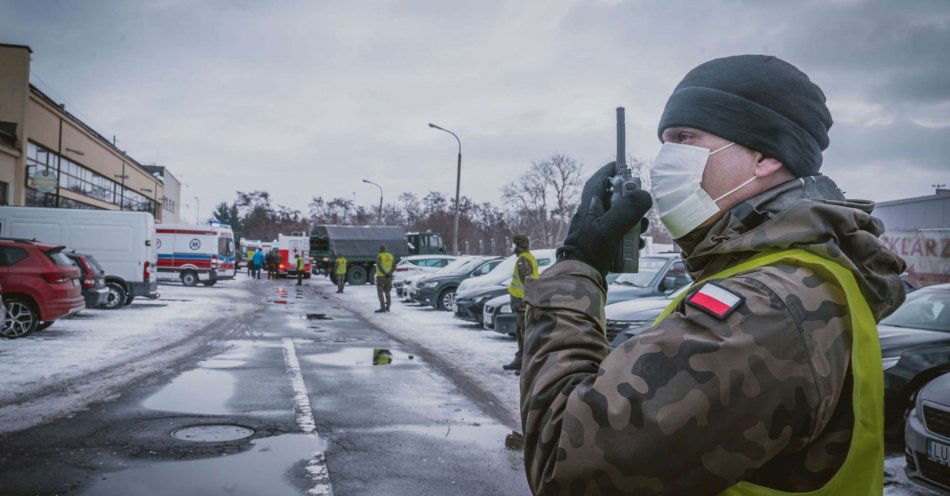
{"points": [[458, 182]]}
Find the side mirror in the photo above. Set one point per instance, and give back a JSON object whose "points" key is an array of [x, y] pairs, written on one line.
{"points": [[669, 284]]}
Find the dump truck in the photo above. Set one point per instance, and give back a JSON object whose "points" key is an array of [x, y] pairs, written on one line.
{"points": [[360, 245]]}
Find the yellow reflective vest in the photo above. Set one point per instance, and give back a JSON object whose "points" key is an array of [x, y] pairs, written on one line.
{"points": [[340, 266], [516, 287], [384, 263], [301, 264], [862, 473]]}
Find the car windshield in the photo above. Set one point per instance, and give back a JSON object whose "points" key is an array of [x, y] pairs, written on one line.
{"points": [[457, 265], [924, 309], [649, 267]]}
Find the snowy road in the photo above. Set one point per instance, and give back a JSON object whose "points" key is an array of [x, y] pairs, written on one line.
{"points": [[93, 405]]}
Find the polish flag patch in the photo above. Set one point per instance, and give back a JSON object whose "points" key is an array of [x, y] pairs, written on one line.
{"points": [[715, 300]]}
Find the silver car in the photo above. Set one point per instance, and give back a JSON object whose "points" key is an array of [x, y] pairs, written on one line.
{"points": [[927, 436]]}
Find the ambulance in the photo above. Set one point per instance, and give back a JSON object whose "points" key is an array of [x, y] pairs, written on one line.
{"points": [[289, 247], [196, 254]]}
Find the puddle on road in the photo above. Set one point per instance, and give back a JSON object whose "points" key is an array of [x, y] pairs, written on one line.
{"points": [[198, 391], [212, 433], [261, 470], [362, 356], [487, 435]]}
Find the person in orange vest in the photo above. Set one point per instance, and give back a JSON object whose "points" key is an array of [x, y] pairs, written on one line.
{"points": [[765, 376]]}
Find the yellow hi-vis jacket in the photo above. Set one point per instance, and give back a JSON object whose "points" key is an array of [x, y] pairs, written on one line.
{"points": [[516, 287], [301, 263], [340, 266], [384, 263], [862, 473]]}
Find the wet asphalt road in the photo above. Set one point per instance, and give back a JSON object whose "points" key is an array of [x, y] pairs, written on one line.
{"points": [[298, 375]]}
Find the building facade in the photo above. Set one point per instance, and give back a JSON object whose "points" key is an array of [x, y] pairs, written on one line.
{"points": [[171, 199], [918, 229], [50, 158]]}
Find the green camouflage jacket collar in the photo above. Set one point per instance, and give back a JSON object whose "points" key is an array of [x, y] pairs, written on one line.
{"points": [[809, 213]]}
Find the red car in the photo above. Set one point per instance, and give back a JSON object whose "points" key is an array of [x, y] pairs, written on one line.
{"points": [[39, 284]]}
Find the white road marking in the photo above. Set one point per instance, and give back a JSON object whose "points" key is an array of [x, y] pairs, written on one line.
{"points": [[317, 466]]}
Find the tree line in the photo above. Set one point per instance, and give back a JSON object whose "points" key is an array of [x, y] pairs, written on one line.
{"points": [[539, 204]]}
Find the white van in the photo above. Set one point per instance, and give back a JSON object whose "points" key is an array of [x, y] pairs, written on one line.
{"points": [[123, 242], [195, 254]]}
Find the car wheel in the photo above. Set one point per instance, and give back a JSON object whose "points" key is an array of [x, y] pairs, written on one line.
{"points": [[21, 319], [189, 278], [129, 299], [116, 296], [44, 325], [446, 299]]}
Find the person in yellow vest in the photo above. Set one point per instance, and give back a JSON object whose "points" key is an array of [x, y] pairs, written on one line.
{"points": [[340, 272], [765, 376], [526, 267], [385, 266], [301, 268], [250, 262]]}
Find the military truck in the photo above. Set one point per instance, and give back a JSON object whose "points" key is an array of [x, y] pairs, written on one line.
{"points": [[360, 244]]}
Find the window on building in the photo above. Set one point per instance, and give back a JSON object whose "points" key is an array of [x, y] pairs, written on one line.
{"points": [[4, 193], [80, 179]]}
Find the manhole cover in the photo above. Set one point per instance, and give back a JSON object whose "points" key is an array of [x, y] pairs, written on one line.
{"points": [[212, 433]]}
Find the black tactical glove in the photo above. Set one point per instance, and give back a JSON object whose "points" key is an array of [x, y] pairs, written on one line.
{"points": [[597, 227]]}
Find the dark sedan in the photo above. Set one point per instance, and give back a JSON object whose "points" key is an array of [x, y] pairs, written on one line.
{"points": [[928, 436], [438, 290], [915, 347], [92, 277]]}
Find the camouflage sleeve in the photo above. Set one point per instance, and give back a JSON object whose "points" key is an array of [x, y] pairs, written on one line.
{"points": [[524, 269], [691, 406]]}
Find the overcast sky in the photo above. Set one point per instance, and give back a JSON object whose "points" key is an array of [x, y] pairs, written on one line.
{"points": [[306, 98]]}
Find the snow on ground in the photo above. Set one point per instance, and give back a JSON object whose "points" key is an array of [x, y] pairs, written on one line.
{"points": [[95, 339], [478, 353]]}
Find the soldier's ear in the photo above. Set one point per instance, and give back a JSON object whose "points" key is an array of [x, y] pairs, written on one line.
{"points": [[767, 166]]}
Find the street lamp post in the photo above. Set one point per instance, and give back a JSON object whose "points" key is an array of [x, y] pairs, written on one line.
{"points": [[458, 183], [367, 181]]}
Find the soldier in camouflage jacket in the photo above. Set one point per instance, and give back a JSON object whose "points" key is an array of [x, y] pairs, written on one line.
{"points": [[700, 402]]}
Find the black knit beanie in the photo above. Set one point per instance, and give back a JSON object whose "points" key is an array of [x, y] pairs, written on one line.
{"points": [[758, 101]]}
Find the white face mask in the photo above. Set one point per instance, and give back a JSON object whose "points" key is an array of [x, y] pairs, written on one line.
{"points": [[677, 194]]}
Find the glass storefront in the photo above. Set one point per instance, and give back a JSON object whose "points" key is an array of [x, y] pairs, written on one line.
{"points": [[79, 179]]}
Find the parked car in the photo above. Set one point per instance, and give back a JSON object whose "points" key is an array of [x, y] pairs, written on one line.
{"points": [[472, 293], [415, 265], [927, 436], [659, 275], [92, 277], [626, 319], [915, 348], [438, 290], [122, 241], [40, 284]]}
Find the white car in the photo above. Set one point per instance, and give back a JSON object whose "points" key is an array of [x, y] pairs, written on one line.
{"points": [[415, 265]]}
